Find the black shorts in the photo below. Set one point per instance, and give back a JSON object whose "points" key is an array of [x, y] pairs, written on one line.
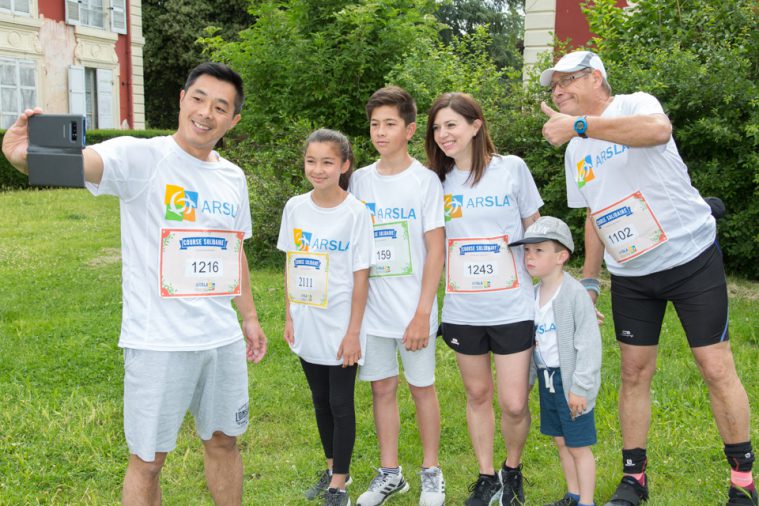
{"points": [[697, 289], [500, 339]]}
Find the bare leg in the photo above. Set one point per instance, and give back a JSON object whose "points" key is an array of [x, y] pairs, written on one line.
{"points": [[142, 486], [585, 466], [387, 420], [728, 397], [513, 374], [638, 368], [223, 465], [428, 420], [478, 383], [568, 466], [338, 481]]}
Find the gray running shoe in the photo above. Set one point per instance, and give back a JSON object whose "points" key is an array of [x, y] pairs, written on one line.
{"points": [[335, 497], [319, 488], [382, 487], [433, 487]]}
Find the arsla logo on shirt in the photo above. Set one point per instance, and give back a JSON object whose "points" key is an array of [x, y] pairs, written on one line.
{"points": [[302, 239], [453, 205], [586, 165], [180, 204], [305, 241], [585, 171], [372, 209], [390, 213]]}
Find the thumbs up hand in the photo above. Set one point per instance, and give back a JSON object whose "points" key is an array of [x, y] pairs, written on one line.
{"points": [[559, 128], [547, 110]]}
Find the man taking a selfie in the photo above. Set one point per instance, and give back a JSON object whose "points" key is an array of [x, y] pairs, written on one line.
{"points": [[184, 216]]}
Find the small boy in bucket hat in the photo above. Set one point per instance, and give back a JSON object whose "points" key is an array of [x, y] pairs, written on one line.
{"points": [[567, 356]]}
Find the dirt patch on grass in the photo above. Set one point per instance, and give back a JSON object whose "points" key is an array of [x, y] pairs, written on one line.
{"points": [[743, 289], [107, 256]]}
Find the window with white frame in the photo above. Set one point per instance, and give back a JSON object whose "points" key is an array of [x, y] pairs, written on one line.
{"points": [[16, 7], [18, 89], [94, 13], [91, 94], [91, 13]]}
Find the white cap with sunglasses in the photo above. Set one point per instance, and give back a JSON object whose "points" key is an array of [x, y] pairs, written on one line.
{"points": [[572, 62]]}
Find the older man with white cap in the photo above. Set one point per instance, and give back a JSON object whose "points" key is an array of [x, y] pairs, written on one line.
{"points": [[658, 238]]}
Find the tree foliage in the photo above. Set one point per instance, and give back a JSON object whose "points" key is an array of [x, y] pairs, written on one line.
{"points": [[172, 29], [320, 61], [701, 59], [502, 19]]}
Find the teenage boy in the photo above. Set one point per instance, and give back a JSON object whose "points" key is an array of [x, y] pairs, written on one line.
{"points": [[567, 356], [183, 346], [406, 202]]}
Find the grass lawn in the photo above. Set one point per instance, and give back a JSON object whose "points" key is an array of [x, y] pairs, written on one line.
{"points": [[61, 439]]}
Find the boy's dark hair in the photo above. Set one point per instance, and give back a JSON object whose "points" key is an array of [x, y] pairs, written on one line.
{"points": [[558, 247], [343, 145], [222, 73], [396, 96]]}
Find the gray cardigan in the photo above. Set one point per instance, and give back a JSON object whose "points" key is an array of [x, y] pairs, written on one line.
{"points": [[579, 341]]}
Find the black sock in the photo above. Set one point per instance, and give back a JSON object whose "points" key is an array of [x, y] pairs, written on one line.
{"points": [[740, 456], [491, 477], [634, 461]]}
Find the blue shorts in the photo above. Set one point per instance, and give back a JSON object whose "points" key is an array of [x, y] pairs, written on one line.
{"points": [[555, 417]]}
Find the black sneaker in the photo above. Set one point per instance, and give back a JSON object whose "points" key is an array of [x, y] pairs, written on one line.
{"points": [[484, 492], [513, 489], [564, 501], [319, 488], [739, 495], [629, 492]]}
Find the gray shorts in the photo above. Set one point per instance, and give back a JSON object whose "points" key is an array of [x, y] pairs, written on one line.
{"points": [[160, 386], [381, 361]]}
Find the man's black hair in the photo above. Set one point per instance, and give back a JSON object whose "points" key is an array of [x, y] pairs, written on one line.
{"points": [[222, 73]]}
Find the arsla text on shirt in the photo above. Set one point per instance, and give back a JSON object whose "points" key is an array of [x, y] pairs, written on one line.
{"points": [[390, 213], [306, 241]]}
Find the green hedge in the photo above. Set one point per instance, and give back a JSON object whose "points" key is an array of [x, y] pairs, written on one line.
{"points": [[11, 179]]}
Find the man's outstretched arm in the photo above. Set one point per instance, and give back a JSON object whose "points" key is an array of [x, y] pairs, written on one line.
{"points": [[16, 147]]}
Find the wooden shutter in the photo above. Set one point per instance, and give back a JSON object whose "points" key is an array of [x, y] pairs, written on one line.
{"points": [[118, 16], [76, 90], [105, 98]]}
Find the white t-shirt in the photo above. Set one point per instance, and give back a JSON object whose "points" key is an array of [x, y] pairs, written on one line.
{"points": [[494, 207], [153, 179], [599, 174], [414, 196], [546, 340], [344, 233]]}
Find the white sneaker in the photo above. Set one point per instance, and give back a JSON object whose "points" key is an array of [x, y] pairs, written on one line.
{"points": [[433, 487], [382, 487]]}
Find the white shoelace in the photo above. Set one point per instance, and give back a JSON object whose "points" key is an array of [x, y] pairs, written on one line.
{"points": [[431, 480]]}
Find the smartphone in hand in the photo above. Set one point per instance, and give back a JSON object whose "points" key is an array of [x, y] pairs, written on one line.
{"points": [[55, 157]]}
